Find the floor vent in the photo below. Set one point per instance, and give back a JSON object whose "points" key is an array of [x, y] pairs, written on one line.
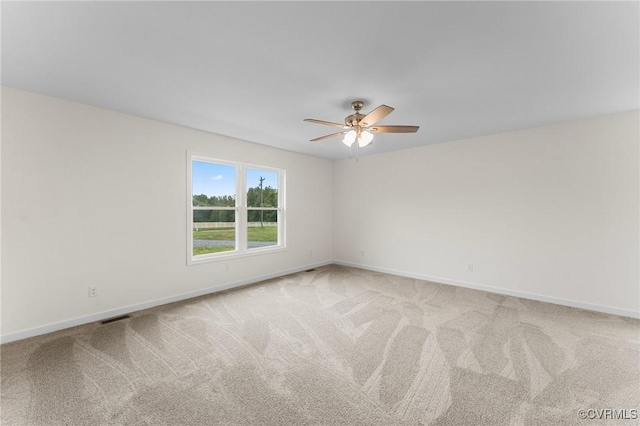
{"points": [[310, 270], [114, 319]]}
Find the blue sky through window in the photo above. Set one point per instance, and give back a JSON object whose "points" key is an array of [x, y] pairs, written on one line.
{"points": [[253, 178], [220, 179], [213, 179]]}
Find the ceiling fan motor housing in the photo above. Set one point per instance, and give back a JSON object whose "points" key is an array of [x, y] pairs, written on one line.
{"points": [[353, 120]]}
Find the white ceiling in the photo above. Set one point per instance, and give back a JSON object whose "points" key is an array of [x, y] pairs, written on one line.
{"points": [[255, 70]]}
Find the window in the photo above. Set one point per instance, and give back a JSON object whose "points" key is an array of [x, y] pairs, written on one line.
{"points": [[235, 209]]}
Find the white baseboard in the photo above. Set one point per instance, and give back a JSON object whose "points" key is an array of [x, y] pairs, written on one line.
{"points": [[11, 337], [498, 290]]}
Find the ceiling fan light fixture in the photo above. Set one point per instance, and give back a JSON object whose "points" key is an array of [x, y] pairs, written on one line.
{"points": [[364, 138], [349, 138]]}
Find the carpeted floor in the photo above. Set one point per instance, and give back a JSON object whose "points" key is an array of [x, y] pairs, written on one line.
{"points": [[335, 346]]}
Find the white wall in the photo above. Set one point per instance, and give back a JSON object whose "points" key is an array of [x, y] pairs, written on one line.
{"points": [[550, 213], [95, 197]]}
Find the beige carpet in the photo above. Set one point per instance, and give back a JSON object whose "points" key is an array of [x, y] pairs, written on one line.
{"points": [[335, 346]]}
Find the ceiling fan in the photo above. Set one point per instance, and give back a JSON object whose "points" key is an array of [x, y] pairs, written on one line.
{"points": [[361, 127]]}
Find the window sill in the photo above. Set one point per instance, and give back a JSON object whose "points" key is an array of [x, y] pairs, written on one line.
{"points": [[216, 257]]}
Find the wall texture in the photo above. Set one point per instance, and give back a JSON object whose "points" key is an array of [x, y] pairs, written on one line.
{"points": [[95, 197], [549, 213]]}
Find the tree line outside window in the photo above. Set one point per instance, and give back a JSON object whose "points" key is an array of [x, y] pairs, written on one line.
{"points": [[269, 199]]}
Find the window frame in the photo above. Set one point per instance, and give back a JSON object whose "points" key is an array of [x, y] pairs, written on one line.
{"points": [[241, 211]]}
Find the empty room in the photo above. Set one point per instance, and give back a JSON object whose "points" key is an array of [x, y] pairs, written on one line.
{"points": [[320, 213]]}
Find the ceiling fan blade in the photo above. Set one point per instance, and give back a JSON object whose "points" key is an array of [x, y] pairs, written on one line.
{"points": [[376, 115], [394, 129], [332, 135], [326, 123]]}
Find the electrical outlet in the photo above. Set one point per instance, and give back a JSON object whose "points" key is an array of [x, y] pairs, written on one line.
{"points": [[361, 253], [226, 266], [470, 267], [310, 253], [93, 291]]}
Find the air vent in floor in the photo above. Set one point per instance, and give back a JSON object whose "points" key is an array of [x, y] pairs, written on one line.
{"points": [[114, 319]]}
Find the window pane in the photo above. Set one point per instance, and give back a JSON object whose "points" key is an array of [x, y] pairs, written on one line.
{"points": [[262, 188], [213, 231], [213, 184], [262, 228]]}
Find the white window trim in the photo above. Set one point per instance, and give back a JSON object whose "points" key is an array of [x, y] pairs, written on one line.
{"points": [[241, 212]]}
